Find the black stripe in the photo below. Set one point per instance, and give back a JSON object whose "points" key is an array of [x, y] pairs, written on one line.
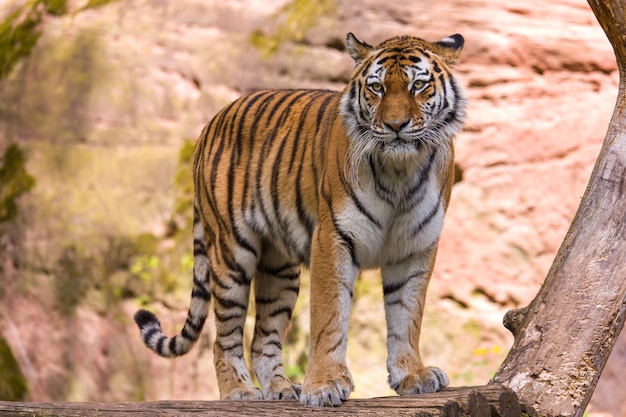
{"points": [[277, 270], [173, 347], [201, 293], [159, 345], [303, 216], [347, 240], [252, 132], [264, 332], [239, 239], [266, 300], [240, 278], [222, 317], [229, 303], [285, 112], [195, 327], [335, 346], [259, 115], [298, 136], [295, 289], [352, 92], [444, 94], [430, 215], [452, 116], [148, 335], [274, 343], [189, 336], [321, 111], [277, 110], [226, 348], [262, 161], [320, 140], [382, 191], [281, 310], [224, 116], [219, 282], [211, 196], [391, 288], [237, 272], [417, 191], [357, 202], [243, 119], [287, 230], [236, 329], [385, 59]]}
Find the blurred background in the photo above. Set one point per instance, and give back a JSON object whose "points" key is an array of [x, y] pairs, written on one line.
{"points": [[100, 105]]}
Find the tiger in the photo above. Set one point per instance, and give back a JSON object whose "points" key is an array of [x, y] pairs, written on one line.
{"points": [[334, 182]]}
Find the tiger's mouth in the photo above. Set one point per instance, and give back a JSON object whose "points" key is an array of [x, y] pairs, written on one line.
{"points": [[398, 145]]}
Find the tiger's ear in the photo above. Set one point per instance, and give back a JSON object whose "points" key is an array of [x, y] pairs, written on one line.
{"points": [[449, 48], [358, 49]]}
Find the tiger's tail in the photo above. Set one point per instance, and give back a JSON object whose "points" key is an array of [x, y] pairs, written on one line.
{"points": [[149, 325]]}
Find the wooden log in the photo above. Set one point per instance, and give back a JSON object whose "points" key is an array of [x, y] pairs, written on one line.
{"points": [[482, 401], [564, 337]]}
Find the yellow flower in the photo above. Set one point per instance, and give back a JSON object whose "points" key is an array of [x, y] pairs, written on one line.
{"points": [[481, 351]]}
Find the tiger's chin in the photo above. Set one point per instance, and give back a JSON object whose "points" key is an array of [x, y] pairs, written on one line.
{"points": [[401, 149]]}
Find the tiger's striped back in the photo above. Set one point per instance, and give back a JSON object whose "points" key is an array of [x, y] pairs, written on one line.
{"points": [[266, 152], [338, 181]]}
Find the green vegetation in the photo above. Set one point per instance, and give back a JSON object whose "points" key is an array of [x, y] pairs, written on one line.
{"points": [[109, 225], [13, 385], [14, 181], [113, 259], [22, 28], [183, 182], [50, 98], [294, 20]]}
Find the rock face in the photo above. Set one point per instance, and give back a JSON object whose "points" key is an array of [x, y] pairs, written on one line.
{"points": [[126, 83]]}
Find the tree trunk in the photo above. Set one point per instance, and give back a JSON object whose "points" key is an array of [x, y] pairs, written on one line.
{"points": [[564, 337]]}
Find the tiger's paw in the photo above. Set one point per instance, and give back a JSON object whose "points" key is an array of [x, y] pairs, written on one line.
{"points": [[429, 379], [284, 391], [328, 393], [243, 394]]}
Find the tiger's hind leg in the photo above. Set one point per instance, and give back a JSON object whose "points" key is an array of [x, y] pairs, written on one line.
{"points": [[233, 268], [276, 289]]}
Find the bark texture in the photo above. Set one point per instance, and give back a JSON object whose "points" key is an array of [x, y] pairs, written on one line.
{"points": [[484, 401], [564, 337]]}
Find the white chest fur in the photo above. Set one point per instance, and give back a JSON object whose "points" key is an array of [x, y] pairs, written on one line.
{"points": [[392, 217]]}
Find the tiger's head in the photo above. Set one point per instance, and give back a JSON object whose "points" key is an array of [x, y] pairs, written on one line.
{"points": [[402, 96]]}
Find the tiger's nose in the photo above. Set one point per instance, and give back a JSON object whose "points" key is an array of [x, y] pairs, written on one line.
{"points": [[396, 125]]}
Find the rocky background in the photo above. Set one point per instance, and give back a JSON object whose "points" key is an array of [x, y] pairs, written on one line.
{"points": [[107, 107]]}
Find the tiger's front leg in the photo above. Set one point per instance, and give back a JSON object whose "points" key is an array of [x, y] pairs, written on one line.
{"points": [[328, 381], [404, 289]]}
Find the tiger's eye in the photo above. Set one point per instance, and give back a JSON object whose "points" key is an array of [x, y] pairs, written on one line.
{"points": [[418, 85], [376, 87]]}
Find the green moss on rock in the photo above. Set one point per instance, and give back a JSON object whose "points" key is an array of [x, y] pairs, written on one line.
{"points": [[13, 386]]}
